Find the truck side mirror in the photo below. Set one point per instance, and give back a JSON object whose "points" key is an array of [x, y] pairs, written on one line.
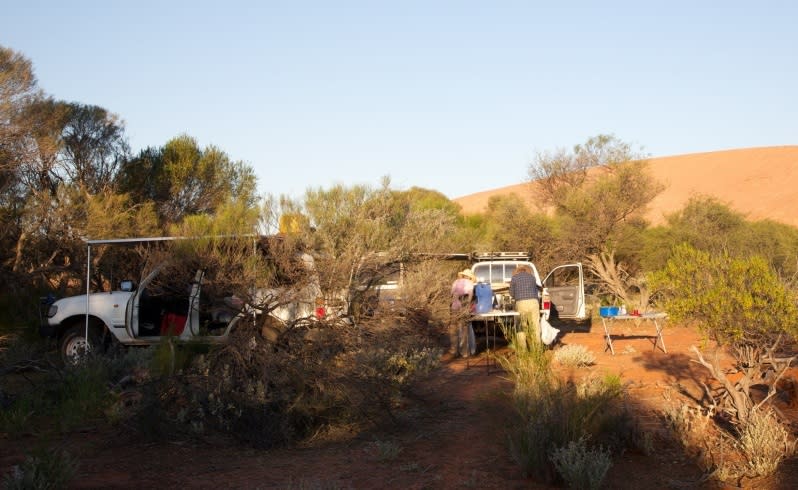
{"points": [[127, 285]]}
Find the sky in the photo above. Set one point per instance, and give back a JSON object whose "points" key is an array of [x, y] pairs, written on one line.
{"points": [[453, 96]]}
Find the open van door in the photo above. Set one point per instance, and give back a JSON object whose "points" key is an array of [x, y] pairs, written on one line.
{"points": [[565, 288]]}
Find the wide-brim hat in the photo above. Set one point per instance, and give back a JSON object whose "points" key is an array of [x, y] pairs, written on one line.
{"points": [[467, 273]]}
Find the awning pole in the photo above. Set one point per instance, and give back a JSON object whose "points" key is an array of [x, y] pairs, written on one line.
{"points": [[88, 290]]}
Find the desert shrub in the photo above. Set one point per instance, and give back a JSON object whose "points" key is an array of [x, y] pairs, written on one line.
{"points": [[765, 443], [315, 376], [753, 449], [70, 395], [580, 466], [775, 242], [384, 451], [422, 301], [731, 299], [562, 413], [551, 413], [743, 305], [574, 355], [78, 393], [704, 223], [15, 414], [712, 226], [42, 469], [693, 429]]}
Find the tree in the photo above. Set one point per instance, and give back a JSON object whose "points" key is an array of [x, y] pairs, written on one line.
{"points": [[94, 146], [510, 225], [597, 213], [69, 143], [556, 173], [355, 229], [597, 191], [712, 226], [44, 120], [183, 179], [72, 152], [17, 90]]}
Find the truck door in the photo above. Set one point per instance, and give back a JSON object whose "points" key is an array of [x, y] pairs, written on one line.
{"points": [[146, 313], [192, 315], [566, 289]]}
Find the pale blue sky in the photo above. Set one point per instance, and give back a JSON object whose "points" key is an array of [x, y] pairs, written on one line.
{"points": [[455, 96]]}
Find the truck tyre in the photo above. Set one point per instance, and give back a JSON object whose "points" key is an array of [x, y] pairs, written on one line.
{"points": [[73, 345]]}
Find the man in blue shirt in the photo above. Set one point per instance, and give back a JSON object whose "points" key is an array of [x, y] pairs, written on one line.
{"points": [[524, 290]]}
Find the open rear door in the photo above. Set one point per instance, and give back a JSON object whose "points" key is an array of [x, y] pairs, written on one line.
{"points": [[566, 289]]}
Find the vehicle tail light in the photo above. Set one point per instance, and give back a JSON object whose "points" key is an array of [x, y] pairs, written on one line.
{"points": [[321, 310], [546, 301]]}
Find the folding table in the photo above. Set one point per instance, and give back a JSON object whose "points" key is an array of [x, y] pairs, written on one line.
{"points": [[658, 319], [504, 318]]}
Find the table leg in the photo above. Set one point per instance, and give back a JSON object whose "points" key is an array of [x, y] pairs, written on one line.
{"points": [[659, 338], [607, 336], [487, 343]]}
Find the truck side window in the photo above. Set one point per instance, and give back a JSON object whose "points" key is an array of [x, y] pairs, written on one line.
{"points": [[565, 276]]}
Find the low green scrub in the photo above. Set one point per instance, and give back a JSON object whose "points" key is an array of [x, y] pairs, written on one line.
{"points": [[581, 467], [62, 398], [574, 355], [42, 470]]}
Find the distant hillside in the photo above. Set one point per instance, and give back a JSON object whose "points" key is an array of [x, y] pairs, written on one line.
{"points": [[758, 182]]}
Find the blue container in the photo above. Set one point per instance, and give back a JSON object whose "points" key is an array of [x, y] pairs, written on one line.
{"points": [[484, 294], [607, 311]]}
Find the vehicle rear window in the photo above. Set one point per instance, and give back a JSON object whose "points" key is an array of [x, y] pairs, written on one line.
{"points": [[494, 273]]}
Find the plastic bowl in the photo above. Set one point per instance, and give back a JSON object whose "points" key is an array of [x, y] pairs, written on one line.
{"points": [[607, 311]]}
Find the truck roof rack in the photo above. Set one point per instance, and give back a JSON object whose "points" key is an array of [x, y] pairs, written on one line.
{"points": [[480, 256]]}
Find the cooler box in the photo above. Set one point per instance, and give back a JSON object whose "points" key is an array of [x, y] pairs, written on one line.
{"points": [[608, 311]]}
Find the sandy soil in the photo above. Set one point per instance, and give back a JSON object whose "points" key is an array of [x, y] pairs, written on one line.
{"points": [[451, 432], [758, 182]]}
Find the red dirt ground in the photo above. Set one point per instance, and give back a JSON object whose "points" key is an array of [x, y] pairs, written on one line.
{"points": [[451, 432]]}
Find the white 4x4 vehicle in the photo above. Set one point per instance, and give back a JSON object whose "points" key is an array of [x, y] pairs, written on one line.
{"points": [[563, 289], [133, 315]]}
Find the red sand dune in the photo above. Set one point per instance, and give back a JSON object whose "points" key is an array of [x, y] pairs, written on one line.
{"points": [[758, 182]]}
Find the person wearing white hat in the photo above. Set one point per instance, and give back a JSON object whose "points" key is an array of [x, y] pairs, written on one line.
{"points": [[461, 334]]}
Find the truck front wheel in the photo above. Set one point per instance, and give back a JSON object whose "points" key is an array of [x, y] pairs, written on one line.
{"points": [[75, 347]]}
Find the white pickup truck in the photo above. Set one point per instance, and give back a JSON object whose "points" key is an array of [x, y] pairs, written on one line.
{"points": [[134, 315], [562, 291]]}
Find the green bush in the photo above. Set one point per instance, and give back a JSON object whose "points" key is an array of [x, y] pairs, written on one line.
{"points": [[731, 299]]}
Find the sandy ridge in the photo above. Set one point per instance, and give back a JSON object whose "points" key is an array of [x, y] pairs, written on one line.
{"points": [[761, 183]]}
